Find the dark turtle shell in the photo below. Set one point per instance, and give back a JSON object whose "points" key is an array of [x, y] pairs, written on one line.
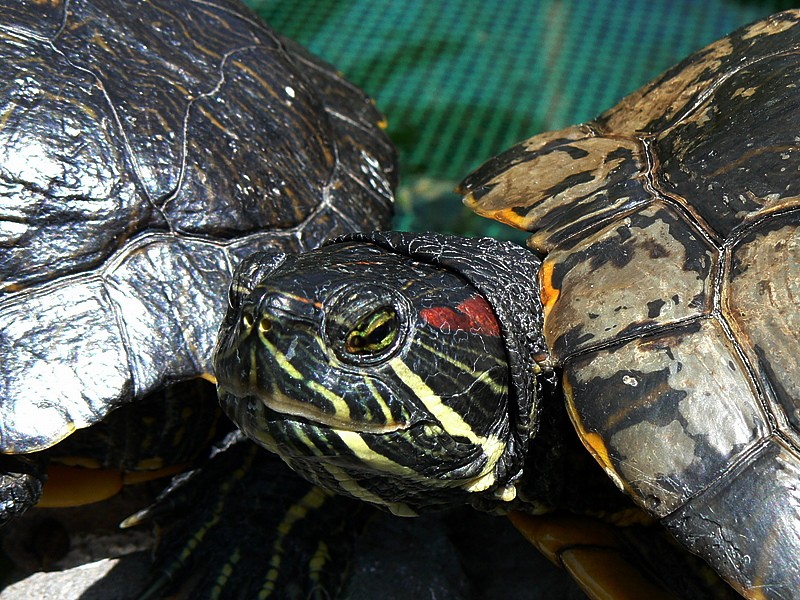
{"points": [[671, 290], [145, 146]]}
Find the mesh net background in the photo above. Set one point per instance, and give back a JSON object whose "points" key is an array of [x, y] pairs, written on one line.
{"points": [[461, 80]]}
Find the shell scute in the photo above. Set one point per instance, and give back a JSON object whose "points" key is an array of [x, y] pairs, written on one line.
{"points": [[562, 189], [672, 419], [145, 147], [654, 251], [762, 301]]}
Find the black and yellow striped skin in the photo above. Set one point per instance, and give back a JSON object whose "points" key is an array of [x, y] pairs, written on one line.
{"points": [[245, 526], [411, 414]]}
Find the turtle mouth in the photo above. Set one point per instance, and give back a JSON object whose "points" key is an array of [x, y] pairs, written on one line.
{"points": [[277, 406]]}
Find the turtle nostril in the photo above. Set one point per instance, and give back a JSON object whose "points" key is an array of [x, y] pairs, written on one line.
{"points": [[247, 319], [264, 325]]}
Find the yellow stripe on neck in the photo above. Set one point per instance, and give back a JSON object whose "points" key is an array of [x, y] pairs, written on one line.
{"points": [[452, 422]]}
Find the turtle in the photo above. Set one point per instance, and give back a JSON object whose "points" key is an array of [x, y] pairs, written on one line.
{"points": [[641, 351], [146, 147]]}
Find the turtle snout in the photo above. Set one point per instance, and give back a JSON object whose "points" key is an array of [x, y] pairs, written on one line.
{"points": [[252, 318], [260, 329]]}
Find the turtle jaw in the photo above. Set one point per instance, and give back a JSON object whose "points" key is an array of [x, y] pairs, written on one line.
{"points": [[345, 428], [285, 407], [400, 456], [374, 466]]}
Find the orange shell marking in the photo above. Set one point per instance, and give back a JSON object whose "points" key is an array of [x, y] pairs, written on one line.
{"points": [[549, 293]]}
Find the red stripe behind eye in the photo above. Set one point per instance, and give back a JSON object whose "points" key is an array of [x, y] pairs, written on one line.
{"points": [[481, 315], [473, 315]]}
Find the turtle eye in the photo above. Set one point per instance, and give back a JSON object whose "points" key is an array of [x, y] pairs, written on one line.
{"points": [[366, 325], [374, 333]]}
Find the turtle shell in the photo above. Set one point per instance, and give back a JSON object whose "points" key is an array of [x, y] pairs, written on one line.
{"points": [[671, 289], [145, 146]]}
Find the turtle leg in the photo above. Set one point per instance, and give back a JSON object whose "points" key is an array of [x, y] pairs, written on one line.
{"points": [[244, 525], [21, 481], [156, 436], [621, 563]]}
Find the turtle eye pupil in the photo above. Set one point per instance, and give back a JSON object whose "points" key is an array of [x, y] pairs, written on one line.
{"points": [[374, 333]]}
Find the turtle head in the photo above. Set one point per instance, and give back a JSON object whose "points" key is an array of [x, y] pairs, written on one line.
{"points": [[377, 367]]}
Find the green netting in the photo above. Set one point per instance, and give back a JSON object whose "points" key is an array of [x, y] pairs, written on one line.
{"points": [[461, 80]]}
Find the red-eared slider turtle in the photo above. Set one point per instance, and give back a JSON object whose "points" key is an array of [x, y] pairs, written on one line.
{"points": [[145, 147], [405, 369]]}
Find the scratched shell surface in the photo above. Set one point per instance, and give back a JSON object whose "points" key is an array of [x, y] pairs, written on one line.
{"points": [[671, 290], [145, 148]]}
